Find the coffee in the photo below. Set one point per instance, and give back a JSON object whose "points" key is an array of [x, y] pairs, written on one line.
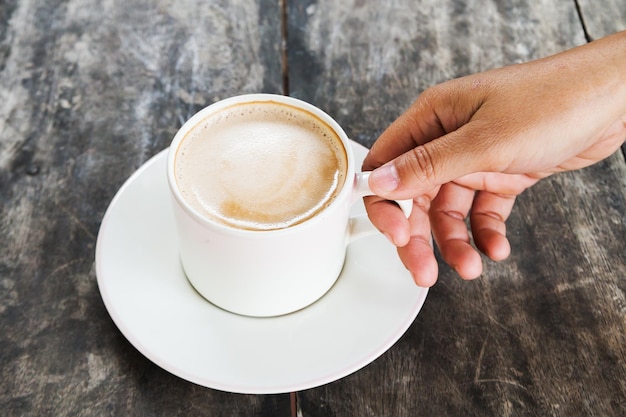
{"points": [[260, 166]]}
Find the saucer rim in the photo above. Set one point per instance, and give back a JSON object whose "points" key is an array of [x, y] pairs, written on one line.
{"points": [[304, 383]]}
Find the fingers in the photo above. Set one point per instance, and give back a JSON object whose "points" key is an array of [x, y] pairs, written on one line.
{"points": [[491, 208], [389, 219], [431, 143], [439, 110], [499, 183], [412, 236], [415, 127], [417, 255], [486, 198], [448, 213], [429, 165], [489, 214], [470, 143]]}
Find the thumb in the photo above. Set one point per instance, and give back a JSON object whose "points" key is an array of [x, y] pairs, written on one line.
{"points": [[428, 166]]}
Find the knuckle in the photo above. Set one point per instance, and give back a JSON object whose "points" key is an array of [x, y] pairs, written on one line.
{"points": [[419, 165]]}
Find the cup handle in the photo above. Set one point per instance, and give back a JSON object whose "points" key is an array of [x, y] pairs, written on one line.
{"points": [[360, 226]]}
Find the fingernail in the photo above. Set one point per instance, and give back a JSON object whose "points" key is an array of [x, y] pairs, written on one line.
{"points": [[385, 178]]}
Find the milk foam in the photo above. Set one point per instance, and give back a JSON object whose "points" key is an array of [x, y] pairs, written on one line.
{"points": [[260, 166]]}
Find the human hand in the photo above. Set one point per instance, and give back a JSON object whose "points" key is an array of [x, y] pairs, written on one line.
{"points": [[471, 145]]}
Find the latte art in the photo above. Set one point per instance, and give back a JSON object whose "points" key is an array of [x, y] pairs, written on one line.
{"points": [[260, 166]]}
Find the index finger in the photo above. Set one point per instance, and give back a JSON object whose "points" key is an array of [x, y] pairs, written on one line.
{"points": [[416, 126], [437, 111]]}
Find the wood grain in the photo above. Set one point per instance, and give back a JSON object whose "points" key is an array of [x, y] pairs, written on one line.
{"points": [[539, 334], [602, 18], [365, 62], [89, 91]]}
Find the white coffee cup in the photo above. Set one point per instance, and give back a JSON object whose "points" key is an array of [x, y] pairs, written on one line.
{"points": [[265, 273]]}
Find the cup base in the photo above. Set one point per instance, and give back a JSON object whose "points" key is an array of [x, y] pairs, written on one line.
{"points": [[270, 310]]}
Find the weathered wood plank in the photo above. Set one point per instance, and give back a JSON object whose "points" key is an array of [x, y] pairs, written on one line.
{"points": [[89, 90], [365, 62], [601, 18], [539, 334]]}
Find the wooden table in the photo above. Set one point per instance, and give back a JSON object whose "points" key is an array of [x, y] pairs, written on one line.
{"points": [[90, 90]]}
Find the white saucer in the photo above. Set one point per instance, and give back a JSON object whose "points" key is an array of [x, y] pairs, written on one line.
{"points": [[143, 287]]}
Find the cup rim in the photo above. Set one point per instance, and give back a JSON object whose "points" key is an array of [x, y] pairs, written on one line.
{"points": [[250, 98]]}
